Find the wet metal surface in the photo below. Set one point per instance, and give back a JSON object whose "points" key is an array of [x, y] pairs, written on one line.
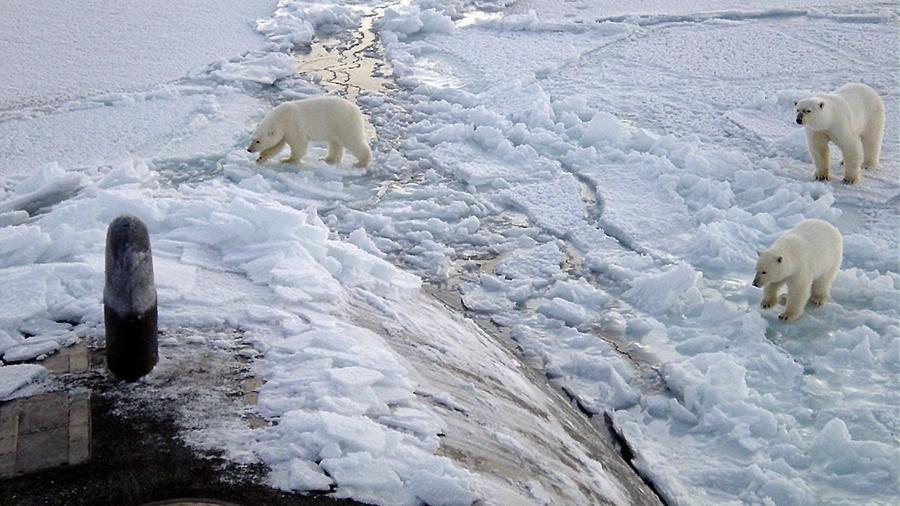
{"points": [[74, 359], [133, 460], [44, 431], [98, 441]]}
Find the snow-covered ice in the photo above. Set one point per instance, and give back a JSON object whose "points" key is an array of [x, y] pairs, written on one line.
{"points": [[14, 377], [592, 178], [55, 54]]}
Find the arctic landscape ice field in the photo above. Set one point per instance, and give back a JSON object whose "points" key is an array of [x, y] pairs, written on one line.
{"points": [[539, 292]]}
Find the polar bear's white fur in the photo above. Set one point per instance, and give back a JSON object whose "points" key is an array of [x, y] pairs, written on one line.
{"points": [[327, 118], [806, 259], [851, 117]]}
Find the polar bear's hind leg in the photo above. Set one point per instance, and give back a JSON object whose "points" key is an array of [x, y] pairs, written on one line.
{"points": [[820, 290], [871, 140], [361, 151], [821, 287]]}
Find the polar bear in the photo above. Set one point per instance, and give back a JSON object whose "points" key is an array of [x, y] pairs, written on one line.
{"points": [[807, 259], [853, 118], [326, 118]]}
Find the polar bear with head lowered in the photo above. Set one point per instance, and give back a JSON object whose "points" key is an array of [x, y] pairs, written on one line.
{"points": [[327, 118], [806, 259], [853, 118]]}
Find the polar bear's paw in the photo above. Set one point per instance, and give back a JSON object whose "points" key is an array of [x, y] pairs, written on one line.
{"points": [[767, 303], [822, 177], [788, 316], [851, 179], [818, 300]]}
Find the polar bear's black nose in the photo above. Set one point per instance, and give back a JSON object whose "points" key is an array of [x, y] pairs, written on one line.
{"points": [[799, 120], [250, 150]]}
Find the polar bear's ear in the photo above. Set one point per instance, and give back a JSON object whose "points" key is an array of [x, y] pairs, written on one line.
{"points": [[759, 253], [779, 259], [821, 104], [271, 133], [795, 103]]}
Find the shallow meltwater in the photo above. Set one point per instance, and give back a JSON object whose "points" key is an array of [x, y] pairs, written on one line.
{"points": [[349, 66]]}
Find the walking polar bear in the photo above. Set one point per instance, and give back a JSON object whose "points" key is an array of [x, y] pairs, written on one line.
{"points": [[806, 259], [327, 118], [853, 118]]}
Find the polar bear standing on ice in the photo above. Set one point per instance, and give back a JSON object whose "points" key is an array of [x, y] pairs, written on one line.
{"points": [[853, 118], [807, 259], [327, 118]]}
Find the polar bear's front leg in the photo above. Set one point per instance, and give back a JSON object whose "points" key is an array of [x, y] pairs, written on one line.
{"points": [[298, 151], [770, 294], [818, 148], [797, 297], [270, 152], [852, 150]]}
